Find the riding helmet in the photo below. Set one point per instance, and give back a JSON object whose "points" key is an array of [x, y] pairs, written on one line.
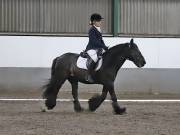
{"points": [[95, 17]]}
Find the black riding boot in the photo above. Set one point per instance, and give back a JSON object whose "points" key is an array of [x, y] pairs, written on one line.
{"points": [[90, 71]]}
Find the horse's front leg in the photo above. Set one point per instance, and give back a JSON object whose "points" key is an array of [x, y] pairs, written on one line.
{"points": [[115, 105], [77, 106]]}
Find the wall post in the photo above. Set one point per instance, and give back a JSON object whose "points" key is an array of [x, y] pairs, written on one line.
{"points": [[116, 9]]}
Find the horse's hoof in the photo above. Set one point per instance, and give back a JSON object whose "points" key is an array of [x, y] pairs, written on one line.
{"points": [[91, 109], [77, 106], [43, 110], [120, 111], [94, 102], [92, 106], [43, 106], [78, 110], [50, 104]]}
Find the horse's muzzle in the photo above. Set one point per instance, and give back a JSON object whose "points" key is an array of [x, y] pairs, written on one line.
{"points": [[142, 64]]}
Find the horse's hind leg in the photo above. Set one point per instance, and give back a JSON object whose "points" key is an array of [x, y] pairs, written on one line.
{"points": [[96, 100], [50, 94], [74, 84]]}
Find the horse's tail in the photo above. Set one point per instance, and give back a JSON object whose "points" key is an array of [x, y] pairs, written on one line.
{"points": [[53, 66]]}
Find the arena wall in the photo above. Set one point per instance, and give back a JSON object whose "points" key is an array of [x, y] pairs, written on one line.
{"points": [[25, 62]]}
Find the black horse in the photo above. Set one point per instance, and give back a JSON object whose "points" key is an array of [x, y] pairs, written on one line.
{"points": [[64, 68]]}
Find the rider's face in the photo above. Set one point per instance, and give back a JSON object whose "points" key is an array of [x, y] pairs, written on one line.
{"points": [[98, 23]]}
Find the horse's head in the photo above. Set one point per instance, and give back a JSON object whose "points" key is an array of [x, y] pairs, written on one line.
{"points": [[135, 55]]}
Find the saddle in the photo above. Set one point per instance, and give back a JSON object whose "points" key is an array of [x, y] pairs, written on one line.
{"points": [[99, 52], [90, 63], [91, 59]]}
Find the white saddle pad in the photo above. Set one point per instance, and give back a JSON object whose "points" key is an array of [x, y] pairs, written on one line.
{"points": [[93, 54], [81, 63]]}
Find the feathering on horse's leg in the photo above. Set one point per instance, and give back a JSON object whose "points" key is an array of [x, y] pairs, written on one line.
{"points": [[115, 105], [96, 100]]}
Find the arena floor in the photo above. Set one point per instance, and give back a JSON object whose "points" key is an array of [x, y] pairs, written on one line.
{"points": [[26, 118]]}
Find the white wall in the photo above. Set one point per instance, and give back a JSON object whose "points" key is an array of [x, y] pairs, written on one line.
{"points": [[35, 51]]}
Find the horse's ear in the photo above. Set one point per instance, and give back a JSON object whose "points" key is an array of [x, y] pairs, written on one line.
{"points": [[132, 41]]}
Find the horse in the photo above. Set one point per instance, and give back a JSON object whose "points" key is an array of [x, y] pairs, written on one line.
{"points": [[64, 68]]}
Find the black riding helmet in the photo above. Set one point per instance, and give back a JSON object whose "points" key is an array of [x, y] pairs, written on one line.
{"points": [[95, 17]]}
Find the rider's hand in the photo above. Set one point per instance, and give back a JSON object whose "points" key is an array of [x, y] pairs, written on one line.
{"points": [[107, 47]]}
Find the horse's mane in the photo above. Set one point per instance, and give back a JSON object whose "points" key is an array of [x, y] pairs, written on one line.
{"points": [[118, 46], [115, 48]]}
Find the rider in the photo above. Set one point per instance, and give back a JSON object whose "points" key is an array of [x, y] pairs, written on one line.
{"points": [[96, 42]]}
